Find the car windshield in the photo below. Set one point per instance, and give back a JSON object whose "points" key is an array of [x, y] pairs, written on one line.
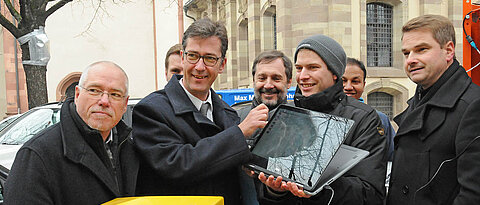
{"points": [[4, 123], [30, 124]]}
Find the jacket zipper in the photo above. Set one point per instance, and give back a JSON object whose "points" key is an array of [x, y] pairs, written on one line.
{"points": [[116, 160]]}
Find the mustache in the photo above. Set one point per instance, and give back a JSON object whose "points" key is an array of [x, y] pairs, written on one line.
{"points": [[269, 91], [104, 110]]}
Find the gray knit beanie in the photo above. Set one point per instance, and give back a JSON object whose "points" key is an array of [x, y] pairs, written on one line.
{"points": [[329, 50]]}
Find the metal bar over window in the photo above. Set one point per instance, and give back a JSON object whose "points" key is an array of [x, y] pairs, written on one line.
{"points": [[379, 35]]}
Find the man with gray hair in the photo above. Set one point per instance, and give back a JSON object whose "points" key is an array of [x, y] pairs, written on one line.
{"points": [[320, 63], [86, 158]]}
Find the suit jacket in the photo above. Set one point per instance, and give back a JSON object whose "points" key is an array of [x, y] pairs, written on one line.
{"points": [[184, 153], [67, 164], [432, 164]]}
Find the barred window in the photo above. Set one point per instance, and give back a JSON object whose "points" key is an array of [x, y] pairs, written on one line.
{"points": [[269, 36], [379, 35], [382, 102]]}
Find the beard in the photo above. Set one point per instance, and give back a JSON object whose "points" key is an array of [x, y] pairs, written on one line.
{"points": [[271, 103]]}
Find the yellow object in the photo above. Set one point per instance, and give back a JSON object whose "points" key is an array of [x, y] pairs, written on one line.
{"points": [[168, 200]]}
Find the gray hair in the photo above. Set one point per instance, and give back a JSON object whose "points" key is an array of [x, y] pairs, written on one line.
{"points": [[84, 75], [271, 55]]}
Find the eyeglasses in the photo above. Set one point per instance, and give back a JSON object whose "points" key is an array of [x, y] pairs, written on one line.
{"points": [[209, 60], [97, 94]]}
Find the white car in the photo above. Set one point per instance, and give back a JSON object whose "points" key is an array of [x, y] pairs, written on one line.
{"points": [[25, 127]]}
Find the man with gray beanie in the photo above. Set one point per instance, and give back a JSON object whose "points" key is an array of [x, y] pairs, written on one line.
{"points": [[320, 63]]}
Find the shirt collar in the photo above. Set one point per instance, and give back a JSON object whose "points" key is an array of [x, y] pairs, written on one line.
{"points": [[196, 102], [109, 138]]}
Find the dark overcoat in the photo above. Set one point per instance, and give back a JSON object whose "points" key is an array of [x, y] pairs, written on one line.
{"points": [[431, 164], [184, 153], [59, 166]]}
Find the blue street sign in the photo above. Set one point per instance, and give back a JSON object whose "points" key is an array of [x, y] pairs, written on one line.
{"points": [[246, 94]]}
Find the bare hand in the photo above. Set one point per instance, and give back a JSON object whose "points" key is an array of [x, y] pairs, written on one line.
{"points": [[275, 184], [256, 118], [248, 171], [296, 190]]}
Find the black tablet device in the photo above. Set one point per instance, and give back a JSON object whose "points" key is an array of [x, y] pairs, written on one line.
{"points": [[305, 147]]}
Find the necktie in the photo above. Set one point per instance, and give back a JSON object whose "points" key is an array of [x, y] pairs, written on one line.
{"points": [[204, 108]]}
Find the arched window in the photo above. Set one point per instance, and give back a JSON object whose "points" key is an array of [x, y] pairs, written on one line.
{"points": [[70, 92], [269, 29], [66, 87], [379, 35], [242, 46], [382, 102]]}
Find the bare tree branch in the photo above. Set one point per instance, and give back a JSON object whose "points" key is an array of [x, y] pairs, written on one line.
{"points": [[55, 7], [97, 8], [12, 10], [45, 2], [171, 3], [9, 26]]}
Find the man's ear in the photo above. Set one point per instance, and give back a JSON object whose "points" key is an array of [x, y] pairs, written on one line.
{"points": [[449, 48], [222, 67], [126, 104], [77, 93], [289, 83]]}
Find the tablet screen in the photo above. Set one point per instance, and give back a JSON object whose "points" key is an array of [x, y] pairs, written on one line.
{"points": [[300, 143]]}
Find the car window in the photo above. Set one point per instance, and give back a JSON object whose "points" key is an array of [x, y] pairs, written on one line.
{"points": [[29, 125]]}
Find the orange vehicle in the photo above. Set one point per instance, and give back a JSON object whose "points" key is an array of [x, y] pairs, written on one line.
{"points": [[471, 39]]}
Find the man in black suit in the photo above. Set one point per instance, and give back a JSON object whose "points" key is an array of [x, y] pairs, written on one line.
{"points": [[191, 141]]}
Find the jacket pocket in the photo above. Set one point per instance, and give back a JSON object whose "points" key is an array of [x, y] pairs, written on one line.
{"points": [[442, 187], [410, 171]]}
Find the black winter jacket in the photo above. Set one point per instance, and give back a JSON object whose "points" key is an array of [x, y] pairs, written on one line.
{"points": [[184, 153], [437, 160], [363, 184], [61, 165]]}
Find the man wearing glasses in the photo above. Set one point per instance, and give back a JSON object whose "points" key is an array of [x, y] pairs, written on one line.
{"points": [[86, 158], [190, 140]]}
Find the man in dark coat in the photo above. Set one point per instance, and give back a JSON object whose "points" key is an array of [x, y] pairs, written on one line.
{"points": [[437, 152], [272, 76], [86, 158], [188, 137], [320, 63]]}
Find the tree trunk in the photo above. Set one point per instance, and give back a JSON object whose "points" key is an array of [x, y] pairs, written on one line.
{"points": [[36, 80]]}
